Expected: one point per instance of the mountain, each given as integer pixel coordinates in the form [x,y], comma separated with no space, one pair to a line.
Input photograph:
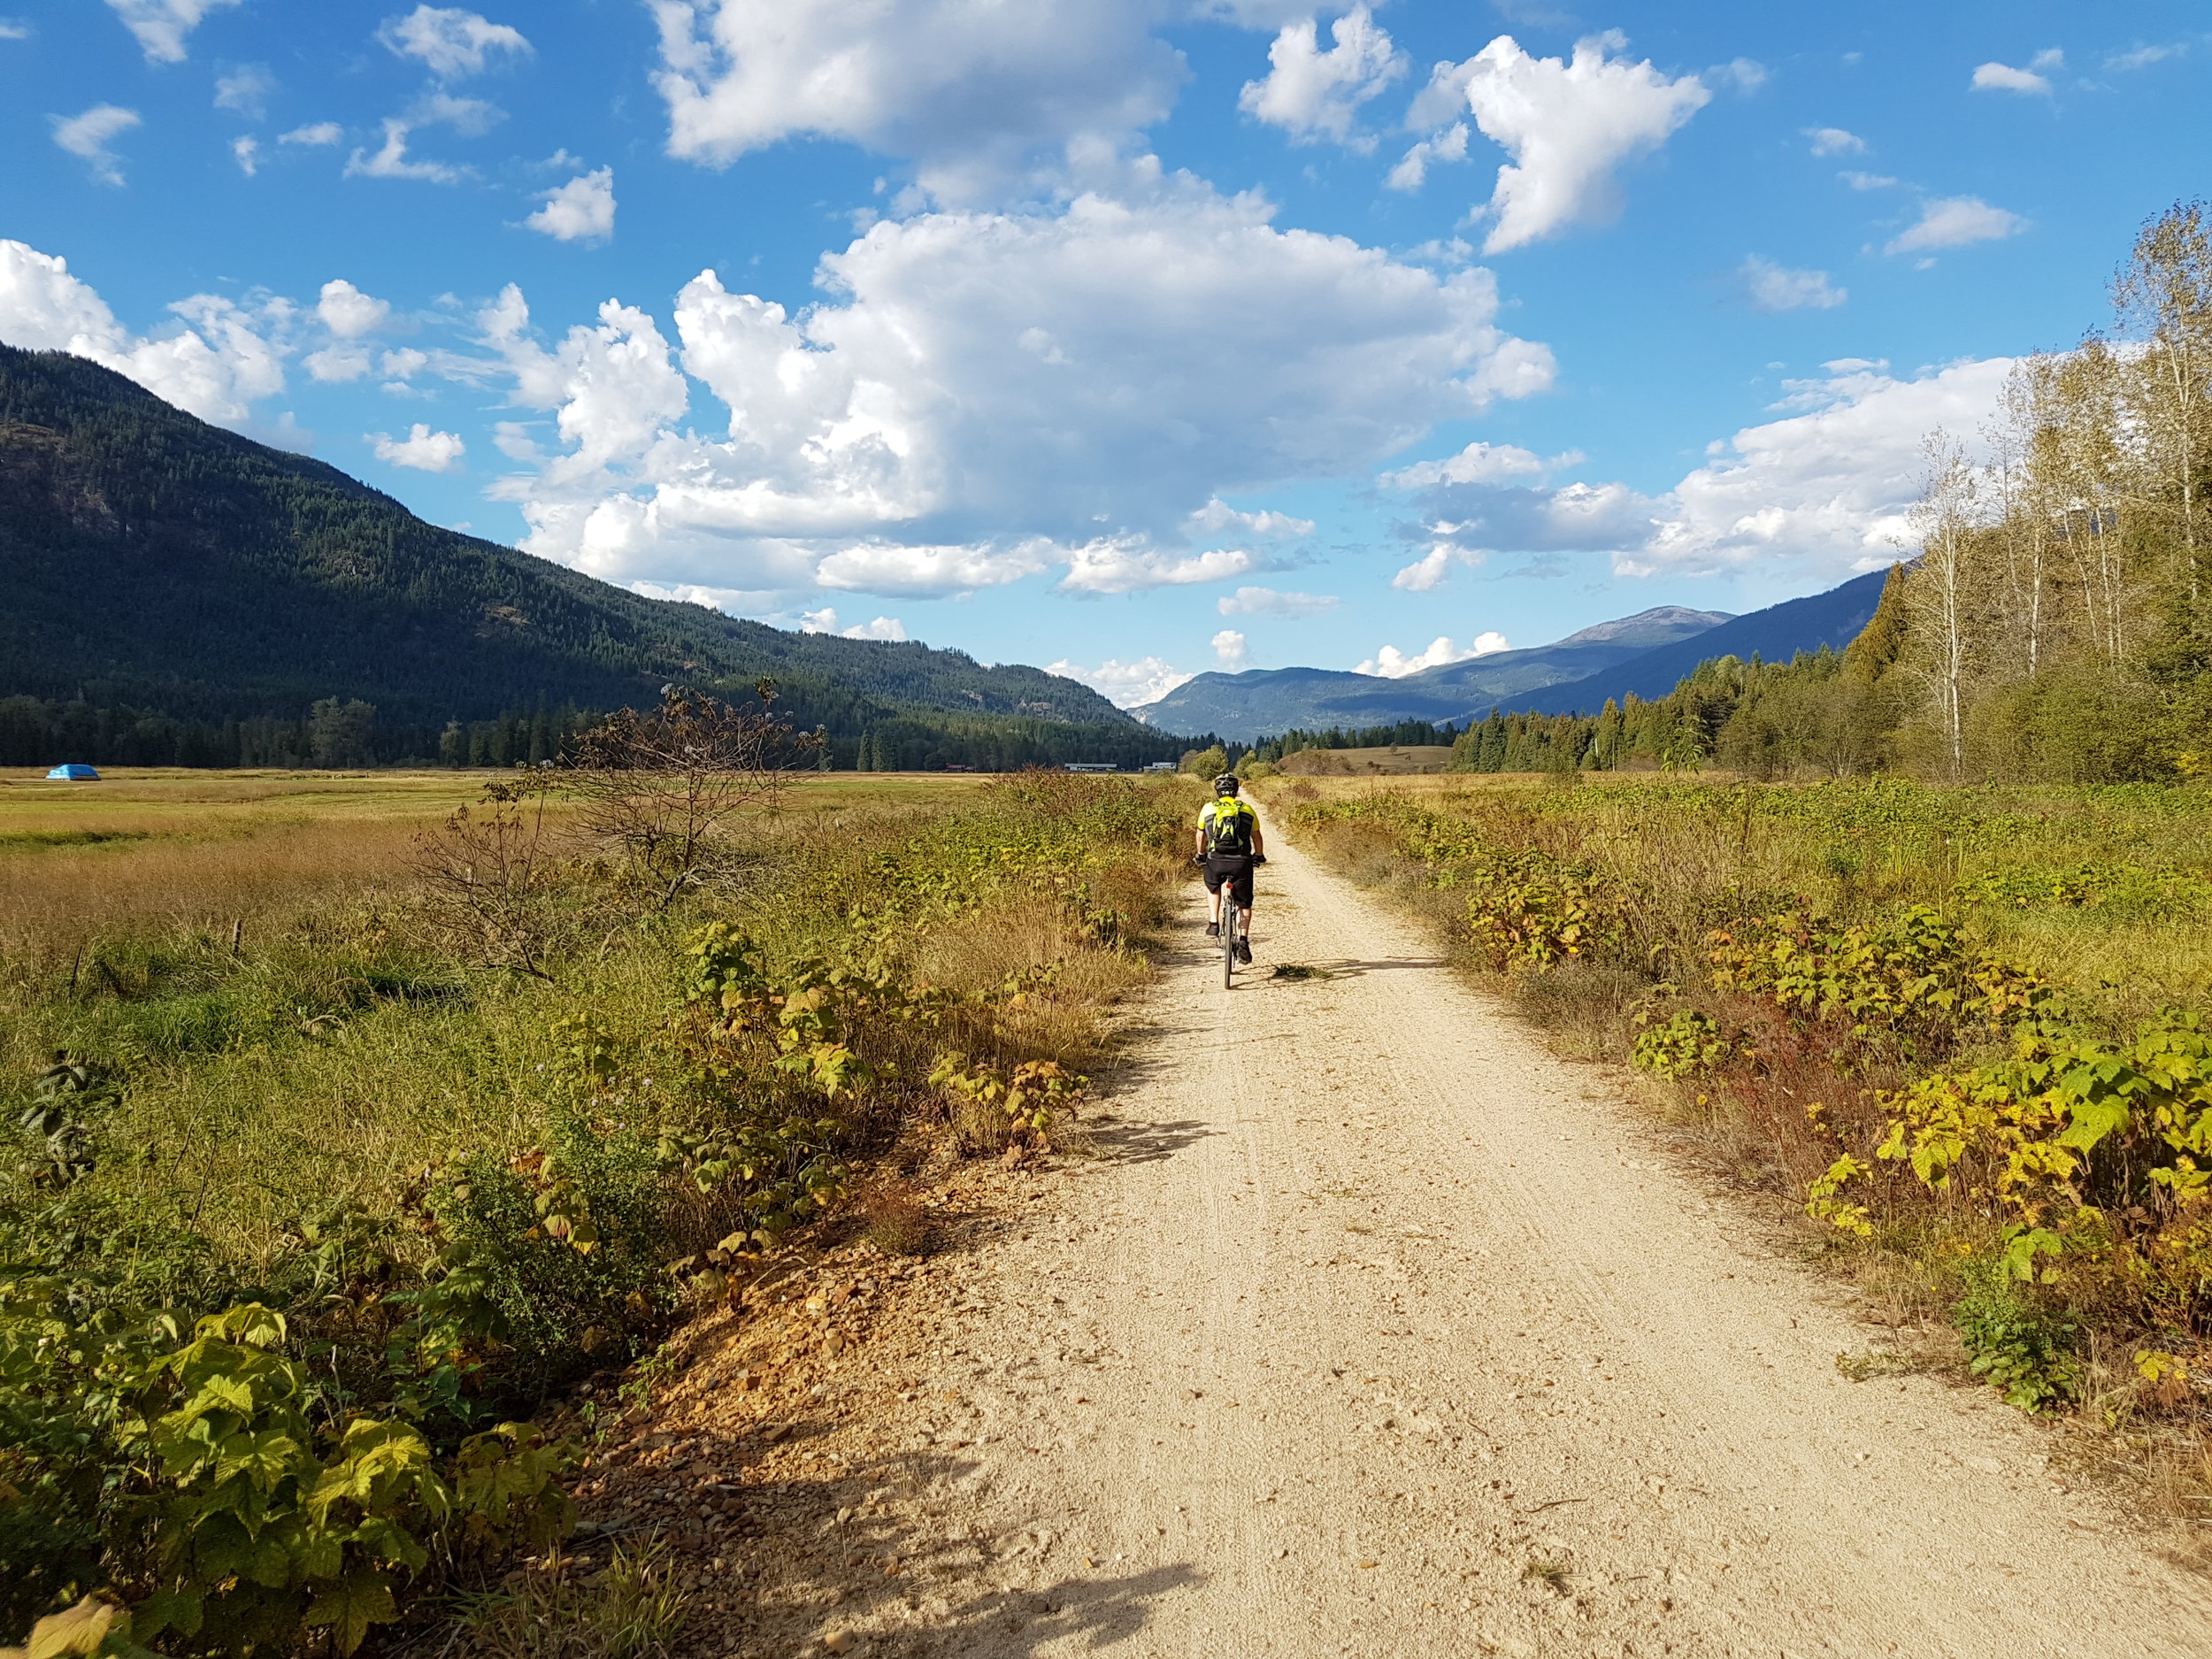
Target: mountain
[1264,702]
[1775,634]
[159,568]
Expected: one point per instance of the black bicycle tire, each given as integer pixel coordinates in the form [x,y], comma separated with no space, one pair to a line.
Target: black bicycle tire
[1228,940]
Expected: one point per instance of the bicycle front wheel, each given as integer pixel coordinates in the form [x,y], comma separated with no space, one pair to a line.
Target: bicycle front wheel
[1228,942]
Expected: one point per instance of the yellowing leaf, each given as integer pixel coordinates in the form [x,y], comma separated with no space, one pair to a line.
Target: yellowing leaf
[360,1599]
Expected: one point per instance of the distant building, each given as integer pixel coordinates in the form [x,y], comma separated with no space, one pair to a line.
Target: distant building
[73,771]
[1159,765]
[1090,765]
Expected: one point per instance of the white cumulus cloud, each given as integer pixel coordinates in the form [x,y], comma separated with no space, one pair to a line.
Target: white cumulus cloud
[245,152]
[1217,517]
[1569,125]
[979,95]
[451,42]
[1867,181]
[1834,141]
[161,25]
[216,359]
[582,210]
[1232,650]
[1820,492]
[425,450]
[1478,463]
[1390,663]
[88,135]
[1124,684]
[1774,288]
[1825,489]
[1412,170]
[886,567]
[1128,564]
[1312,94]
[1994,77]
[1268,602]
[825,621]
[334,365]
[315,133]
[982,396]
[347,313]
[1956,221]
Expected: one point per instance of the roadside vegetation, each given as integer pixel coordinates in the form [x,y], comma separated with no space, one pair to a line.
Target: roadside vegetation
[1963,1028]
[355,1122]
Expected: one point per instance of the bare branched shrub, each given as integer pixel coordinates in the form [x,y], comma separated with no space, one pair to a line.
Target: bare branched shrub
[658,791]
[491,879]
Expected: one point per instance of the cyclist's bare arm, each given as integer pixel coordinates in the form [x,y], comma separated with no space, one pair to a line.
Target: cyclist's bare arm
[1259,841]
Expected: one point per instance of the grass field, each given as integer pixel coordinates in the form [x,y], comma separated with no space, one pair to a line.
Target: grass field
[294,1075]
[1963,1028]
[1396,761]
[152,847]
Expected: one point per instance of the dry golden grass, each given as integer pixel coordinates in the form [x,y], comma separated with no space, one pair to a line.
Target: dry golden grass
[1396,761]
[200,851]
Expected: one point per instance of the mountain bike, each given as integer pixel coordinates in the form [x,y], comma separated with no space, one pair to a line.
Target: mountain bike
[1232,930]
[1229,918]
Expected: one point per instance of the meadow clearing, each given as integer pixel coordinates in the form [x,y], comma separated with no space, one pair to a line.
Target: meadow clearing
[1963,1028]
[425,1117]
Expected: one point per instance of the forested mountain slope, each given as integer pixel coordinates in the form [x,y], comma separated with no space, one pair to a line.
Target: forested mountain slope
[153,563]
[1775,634]
[1266,702]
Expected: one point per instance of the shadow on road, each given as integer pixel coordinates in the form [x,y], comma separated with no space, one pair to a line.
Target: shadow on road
[1148,1142]
[1347,968]
[1094,1612]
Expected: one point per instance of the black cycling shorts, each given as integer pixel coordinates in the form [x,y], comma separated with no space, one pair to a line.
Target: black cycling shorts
[1236,869]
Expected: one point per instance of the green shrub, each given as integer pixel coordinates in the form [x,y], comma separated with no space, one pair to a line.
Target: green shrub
[549,1304]
[1684,1044]
[2025,1353]
[208,1480]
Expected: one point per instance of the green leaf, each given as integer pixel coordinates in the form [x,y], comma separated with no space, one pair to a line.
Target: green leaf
[362,1598]
[2092,1118]
[386,1538]
[180,1611]
[220,1544]
[264,1457]
[266,1561]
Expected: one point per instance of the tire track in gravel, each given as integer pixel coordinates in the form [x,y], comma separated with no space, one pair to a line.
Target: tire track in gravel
[1379,1330]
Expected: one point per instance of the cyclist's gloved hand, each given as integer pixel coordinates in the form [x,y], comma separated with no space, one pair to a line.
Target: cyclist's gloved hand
[1259,858]
[1198,859]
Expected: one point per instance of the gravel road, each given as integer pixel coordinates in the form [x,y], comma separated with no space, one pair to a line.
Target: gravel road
[1381,1330]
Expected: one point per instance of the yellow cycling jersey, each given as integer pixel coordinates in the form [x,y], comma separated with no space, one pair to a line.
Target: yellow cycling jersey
[1228,824]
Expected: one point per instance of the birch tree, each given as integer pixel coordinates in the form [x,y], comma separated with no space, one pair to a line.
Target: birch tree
[1943,590]
[2162,299]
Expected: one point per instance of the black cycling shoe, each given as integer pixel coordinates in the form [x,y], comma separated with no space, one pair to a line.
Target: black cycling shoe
[1244,951]
[1213,930]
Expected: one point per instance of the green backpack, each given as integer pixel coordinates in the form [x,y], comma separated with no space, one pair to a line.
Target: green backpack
[1230,829]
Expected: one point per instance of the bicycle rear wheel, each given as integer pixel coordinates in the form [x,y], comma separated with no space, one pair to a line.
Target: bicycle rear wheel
[1228,939]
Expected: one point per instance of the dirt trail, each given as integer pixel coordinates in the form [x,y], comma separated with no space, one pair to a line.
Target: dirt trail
[1383,1331]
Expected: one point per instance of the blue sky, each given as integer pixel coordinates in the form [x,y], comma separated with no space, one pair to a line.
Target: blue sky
[1139,336]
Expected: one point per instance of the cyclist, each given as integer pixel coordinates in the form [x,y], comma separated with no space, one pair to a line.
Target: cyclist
[1229,845]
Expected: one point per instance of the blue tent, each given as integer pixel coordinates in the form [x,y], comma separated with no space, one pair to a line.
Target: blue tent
[73,771]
